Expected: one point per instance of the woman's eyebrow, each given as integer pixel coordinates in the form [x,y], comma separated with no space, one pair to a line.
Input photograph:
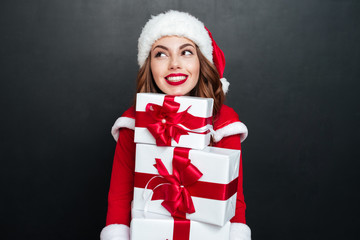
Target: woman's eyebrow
[181,47]
[186,45]
[160,46]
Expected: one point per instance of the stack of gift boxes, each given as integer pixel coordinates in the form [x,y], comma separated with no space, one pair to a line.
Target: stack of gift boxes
[183,189]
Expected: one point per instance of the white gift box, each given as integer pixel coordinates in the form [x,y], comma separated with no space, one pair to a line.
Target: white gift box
[219,166]
[151,226]
[200,108]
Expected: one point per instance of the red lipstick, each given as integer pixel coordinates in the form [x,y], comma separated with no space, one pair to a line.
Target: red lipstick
[176,78]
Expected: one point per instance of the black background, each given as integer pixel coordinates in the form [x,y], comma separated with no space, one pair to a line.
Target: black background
[68,70]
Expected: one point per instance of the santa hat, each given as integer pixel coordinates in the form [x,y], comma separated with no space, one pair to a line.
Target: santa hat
[183,25]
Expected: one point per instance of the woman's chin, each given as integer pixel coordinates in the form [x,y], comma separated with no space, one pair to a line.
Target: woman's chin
[177,93]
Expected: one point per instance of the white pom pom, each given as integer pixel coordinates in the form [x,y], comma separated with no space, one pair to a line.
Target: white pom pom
[225,85]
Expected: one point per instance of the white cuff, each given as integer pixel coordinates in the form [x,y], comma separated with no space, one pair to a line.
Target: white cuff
[115,232]
[122,122]
[231,129]
[240,231]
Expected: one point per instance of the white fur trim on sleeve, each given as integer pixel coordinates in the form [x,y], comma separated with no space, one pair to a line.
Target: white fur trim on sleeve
[122,122]
[115,232]
[231,129]
[240,231]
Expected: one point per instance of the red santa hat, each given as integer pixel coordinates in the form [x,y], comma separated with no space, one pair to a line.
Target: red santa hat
[184,25]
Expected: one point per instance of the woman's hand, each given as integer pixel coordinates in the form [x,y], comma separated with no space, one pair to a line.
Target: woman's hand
[240,231]
[115,232]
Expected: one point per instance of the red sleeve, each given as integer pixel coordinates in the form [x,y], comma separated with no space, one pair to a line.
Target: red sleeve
[226,116]
[122,180]
[130,112]
[233,142]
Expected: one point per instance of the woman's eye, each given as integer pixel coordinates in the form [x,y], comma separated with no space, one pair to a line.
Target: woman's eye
[187,52]
[160,54]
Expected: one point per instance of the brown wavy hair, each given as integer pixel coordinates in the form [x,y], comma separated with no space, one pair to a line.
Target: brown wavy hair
[208,86]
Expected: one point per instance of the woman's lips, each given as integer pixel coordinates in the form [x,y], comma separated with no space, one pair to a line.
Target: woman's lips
[176,78]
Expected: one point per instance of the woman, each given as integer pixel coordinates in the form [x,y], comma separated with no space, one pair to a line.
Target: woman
[177,56]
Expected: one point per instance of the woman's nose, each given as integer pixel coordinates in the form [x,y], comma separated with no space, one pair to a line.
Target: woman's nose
[174,63]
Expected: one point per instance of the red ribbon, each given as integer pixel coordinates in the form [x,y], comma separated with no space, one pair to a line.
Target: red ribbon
[184,174]
[181,229]
[177,199]
[209,190]
[163,121]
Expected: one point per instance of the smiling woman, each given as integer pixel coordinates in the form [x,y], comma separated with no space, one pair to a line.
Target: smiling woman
[177,56]
[175,65]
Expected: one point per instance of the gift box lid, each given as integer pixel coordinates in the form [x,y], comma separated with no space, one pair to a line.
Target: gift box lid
[197,103]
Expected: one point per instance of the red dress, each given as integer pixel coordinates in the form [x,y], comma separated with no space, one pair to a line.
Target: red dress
[229,132]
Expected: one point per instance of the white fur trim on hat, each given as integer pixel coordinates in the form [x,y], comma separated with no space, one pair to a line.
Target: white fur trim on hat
[225,85]
[115,232]
[122,122]
[240,231]
[231,129]
[174,23]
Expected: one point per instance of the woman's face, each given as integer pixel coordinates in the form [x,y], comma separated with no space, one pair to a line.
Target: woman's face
[175,65]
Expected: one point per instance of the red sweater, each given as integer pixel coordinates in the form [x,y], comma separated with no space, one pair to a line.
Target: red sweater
[122,177]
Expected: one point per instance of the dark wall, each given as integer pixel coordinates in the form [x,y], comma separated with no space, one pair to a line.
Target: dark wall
[68,70]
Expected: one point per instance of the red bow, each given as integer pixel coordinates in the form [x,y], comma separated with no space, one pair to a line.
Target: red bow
[177,199]
[166,121]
